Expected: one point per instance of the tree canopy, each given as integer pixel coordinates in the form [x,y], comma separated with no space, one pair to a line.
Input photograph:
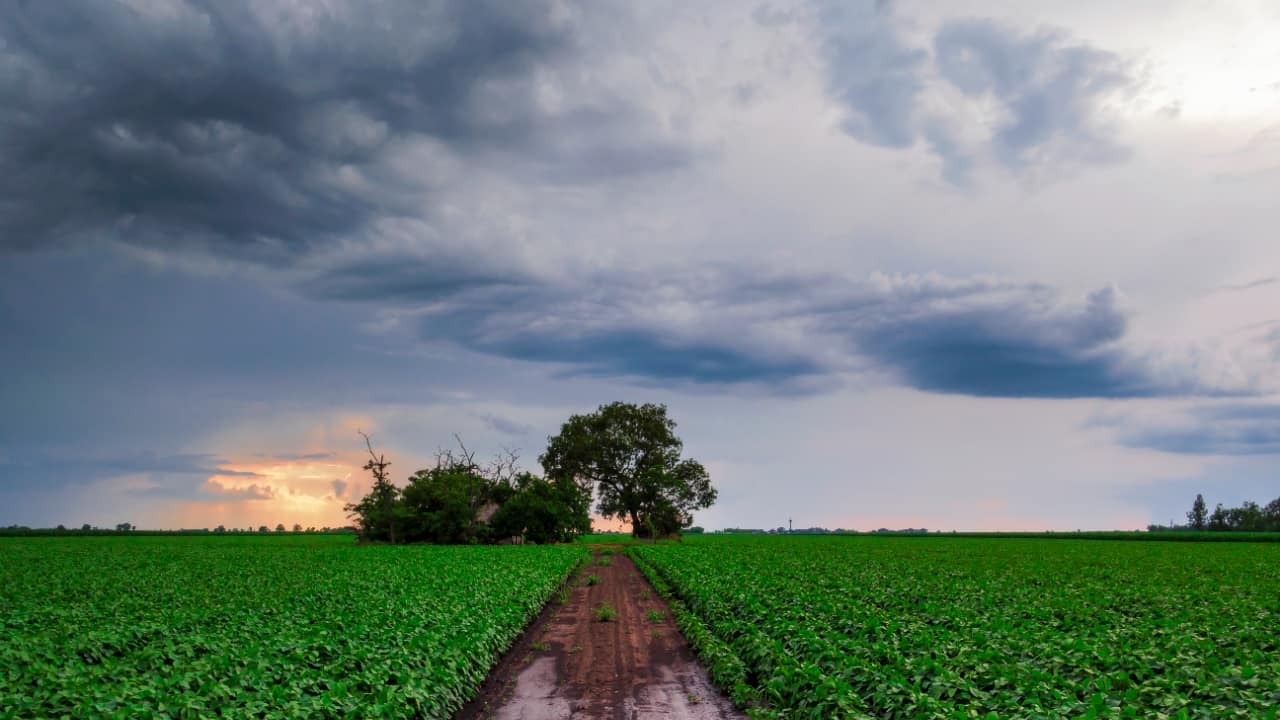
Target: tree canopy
[459,501]
[630,455]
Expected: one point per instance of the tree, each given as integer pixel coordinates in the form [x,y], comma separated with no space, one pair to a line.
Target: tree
[440,505]
[543,511]
[1248,517]
[263,529]
[1199,515]
[124,527]
[85,527]
[1272,513]
[297,528]
[1219,519]
[630,455]
[377,515]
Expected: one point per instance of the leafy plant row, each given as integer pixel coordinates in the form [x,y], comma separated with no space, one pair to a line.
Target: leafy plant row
[723,665]
[814,627]
[210,627]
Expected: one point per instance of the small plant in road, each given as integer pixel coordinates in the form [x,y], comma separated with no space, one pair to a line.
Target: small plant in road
[592,580]
[656,616]
[605,612]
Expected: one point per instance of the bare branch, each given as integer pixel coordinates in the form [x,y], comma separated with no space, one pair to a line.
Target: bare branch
[377,464]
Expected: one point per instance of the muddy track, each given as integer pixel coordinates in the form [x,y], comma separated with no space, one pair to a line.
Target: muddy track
[571,664]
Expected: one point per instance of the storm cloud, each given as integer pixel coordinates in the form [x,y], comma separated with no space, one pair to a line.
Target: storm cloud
[261,130]
[1002,340]
[787,333]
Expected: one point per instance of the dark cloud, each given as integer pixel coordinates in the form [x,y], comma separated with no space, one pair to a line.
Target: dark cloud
[999,340]
[650,354]
[339,488]
[604,327]
[506,426]
[871,72]
[1050,94]
[728,327]
[39,467]
[1050,90]
[1230,429]
[208,491]
[405,278]
[263,129]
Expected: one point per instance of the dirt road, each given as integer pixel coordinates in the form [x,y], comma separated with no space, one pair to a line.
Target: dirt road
[573,664]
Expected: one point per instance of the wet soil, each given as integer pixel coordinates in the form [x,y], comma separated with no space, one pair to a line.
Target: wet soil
[571,664]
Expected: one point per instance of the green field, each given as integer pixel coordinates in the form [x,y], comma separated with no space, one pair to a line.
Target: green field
[259,627]
[938,627]
[797,627]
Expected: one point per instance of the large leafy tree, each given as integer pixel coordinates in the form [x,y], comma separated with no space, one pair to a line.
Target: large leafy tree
[631,456]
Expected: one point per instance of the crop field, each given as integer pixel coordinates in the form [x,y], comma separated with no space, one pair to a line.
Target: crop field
[249,627]
[864,627]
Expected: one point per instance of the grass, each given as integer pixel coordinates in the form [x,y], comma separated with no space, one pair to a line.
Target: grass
[656,616]
[605,612]
[604,561]
[540,646]
[592,580]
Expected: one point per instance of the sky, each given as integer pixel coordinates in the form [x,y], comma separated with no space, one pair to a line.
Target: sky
[998,265]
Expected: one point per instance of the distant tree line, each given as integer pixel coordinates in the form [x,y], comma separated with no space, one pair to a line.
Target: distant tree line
[1249,517]
[131,529]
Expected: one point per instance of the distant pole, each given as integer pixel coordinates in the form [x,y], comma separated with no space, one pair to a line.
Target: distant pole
[789,528]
